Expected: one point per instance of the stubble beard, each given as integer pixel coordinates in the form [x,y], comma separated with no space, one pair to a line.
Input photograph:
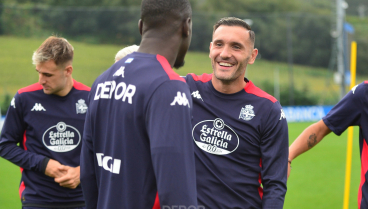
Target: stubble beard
[231,78]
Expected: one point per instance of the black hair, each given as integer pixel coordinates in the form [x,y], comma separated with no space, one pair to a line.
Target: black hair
[157,13]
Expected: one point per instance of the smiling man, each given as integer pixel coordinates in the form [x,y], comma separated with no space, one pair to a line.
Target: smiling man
[240,131]
[47,120]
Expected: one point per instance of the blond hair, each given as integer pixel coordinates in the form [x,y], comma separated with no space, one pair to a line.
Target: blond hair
[125,51]
[54,48]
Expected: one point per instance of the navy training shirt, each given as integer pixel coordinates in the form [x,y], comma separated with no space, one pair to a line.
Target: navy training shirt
[241,144]
[45,126]
[137,141]
[352,111]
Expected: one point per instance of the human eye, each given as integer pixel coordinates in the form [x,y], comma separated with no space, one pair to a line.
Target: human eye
[236,47]
[218,44]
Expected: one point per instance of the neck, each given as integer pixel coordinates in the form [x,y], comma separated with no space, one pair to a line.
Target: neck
[167,47]
[228,87]
[67,89]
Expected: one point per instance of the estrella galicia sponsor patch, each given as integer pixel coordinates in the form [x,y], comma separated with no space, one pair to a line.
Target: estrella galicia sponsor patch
[61,138]
[215,137]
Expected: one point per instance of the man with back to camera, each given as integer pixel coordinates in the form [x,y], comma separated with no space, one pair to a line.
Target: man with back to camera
[350,111]
[137,145]
[47,120]
[240,132]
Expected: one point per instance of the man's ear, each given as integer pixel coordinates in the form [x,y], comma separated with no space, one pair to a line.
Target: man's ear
[69,70]
[140,26]
[187,27]
[253,56]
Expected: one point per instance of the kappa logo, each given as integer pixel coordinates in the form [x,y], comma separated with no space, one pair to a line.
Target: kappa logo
[283,116]
[180,99]
[354,88]
[38,107]
[120,72]
[196,95]
[247,113]
[103,161]
[81,106]
[12,103]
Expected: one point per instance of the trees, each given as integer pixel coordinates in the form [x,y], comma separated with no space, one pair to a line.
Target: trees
[115,21]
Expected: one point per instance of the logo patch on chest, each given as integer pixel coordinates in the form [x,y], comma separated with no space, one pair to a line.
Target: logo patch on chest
[215,137]
[81,106]
[61,138]
[247,113]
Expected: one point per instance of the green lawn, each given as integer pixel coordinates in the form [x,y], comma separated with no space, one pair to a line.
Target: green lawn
[318,176]
[9,184]
[316,180]
[17,71]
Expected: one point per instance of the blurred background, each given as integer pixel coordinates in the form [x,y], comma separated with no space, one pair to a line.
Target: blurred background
[304,60]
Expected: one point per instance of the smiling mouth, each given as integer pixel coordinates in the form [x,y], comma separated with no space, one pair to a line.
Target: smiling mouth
[225,64]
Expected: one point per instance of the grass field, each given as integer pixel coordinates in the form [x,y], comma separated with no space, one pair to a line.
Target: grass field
[17,71]
[316,180]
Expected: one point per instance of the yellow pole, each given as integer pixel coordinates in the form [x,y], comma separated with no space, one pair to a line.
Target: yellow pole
[350,129]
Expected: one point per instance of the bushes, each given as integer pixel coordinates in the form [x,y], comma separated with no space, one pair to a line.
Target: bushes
[301,97]
[120,26]
[310,33]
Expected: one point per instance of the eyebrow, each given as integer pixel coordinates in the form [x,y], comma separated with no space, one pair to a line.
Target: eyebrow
[43,72]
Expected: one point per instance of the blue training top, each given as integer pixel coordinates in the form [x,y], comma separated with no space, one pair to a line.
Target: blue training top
[46,127]
[241,146]
[352,111]
[137,139]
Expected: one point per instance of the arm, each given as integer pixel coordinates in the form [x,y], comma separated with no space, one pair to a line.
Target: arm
[307,139]
[344,114]
[13,133]
[274,151]
[169,129]
[87,169]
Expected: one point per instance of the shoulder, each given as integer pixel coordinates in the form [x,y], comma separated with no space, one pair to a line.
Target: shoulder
[204,78]
[80,86]
[360,88]
[30,88]
[250,88]
[168,70]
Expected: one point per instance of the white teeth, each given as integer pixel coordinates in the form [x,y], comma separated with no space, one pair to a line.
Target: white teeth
[225,64]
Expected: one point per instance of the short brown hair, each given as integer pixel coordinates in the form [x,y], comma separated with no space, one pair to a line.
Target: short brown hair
[233,21]
[54,48]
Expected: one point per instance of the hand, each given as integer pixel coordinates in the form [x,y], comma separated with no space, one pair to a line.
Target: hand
[71,179]
[289,169]
[52,169]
